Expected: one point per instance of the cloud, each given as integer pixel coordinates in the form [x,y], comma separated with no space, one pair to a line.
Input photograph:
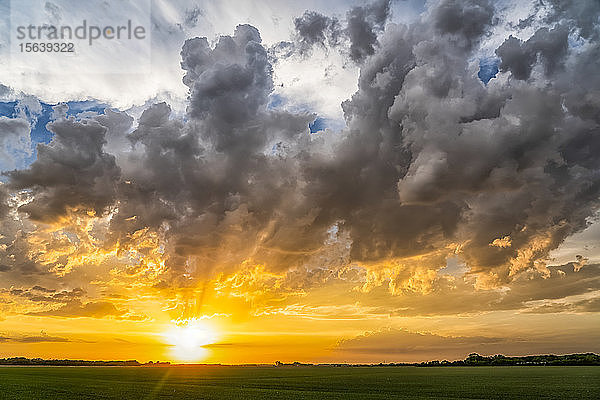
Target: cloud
[448,295]
[316,29]
[358,32]
[403,345]
[77,309]
[363,25]
[501,242]
[71,172]
[465,21]
[580,14]
[15,143]
[519,57]
[401,341]
[34,339]
[230,82]
[4,195]
[355,293]
[39,301]
[44,295]
[583,306]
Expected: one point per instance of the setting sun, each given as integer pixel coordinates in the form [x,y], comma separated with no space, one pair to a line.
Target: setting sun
[188,339]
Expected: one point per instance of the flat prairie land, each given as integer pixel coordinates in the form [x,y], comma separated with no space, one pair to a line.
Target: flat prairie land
[233,382]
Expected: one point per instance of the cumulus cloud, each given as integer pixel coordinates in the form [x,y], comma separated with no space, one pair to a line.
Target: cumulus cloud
[432,164]
[4,195]
[72,171]
[358,31]
[581,15]
[363,25]
[15,143]
[316,29]
[519,57]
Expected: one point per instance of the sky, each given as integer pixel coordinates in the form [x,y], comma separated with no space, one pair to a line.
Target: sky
[339,181]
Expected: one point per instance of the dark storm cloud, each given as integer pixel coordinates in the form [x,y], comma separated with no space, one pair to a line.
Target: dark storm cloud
[216,180]
[316,29]
[519,57]
[71,171]
[14,141]
[467,19]
[359,31]
[432,162]
[16,258]
[12,127]
[4,196]
[363,25]
[581,15]
[230,82]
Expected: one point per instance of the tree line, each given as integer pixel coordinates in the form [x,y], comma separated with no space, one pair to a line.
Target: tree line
[475,359]
[472,359]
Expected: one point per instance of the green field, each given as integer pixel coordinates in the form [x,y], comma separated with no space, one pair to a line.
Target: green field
[216,382]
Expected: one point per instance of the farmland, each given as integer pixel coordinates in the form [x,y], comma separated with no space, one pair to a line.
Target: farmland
[237,382]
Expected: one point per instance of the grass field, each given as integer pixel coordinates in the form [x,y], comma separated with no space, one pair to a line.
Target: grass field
[201,382]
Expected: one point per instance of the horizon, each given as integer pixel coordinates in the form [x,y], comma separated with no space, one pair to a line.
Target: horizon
[279,363]
[340,182]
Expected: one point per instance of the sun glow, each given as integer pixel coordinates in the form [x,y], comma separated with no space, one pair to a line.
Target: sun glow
[189,339]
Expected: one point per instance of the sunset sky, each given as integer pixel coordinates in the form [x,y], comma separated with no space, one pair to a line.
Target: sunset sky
[315,181]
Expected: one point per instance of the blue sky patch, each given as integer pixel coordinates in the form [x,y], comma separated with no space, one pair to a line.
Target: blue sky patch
[275,100]
[488,68]
[317,125]
[39,132]
[320,124]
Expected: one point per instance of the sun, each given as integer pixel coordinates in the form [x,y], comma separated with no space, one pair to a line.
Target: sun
[188,339]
